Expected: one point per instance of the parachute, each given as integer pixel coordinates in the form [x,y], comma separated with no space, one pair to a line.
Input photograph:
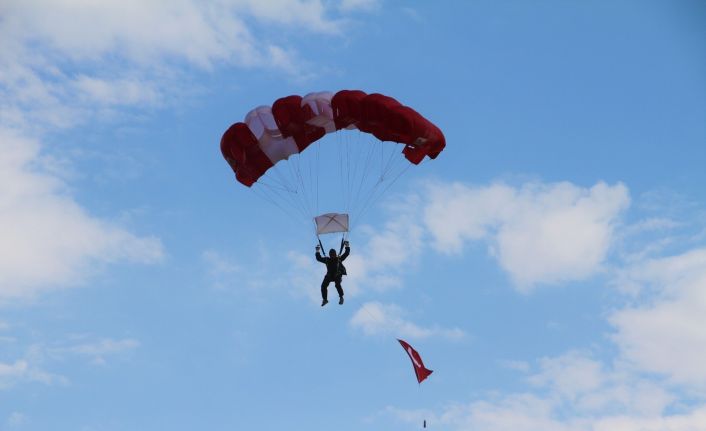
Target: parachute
[285,132]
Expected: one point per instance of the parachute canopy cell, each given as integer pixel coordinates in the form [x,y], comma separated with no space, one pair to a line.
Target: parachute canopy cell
[271,134]
[331,223]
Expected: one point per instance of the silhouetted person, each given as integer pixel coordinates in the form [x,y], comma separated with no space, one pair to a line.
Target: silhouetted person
[334,271]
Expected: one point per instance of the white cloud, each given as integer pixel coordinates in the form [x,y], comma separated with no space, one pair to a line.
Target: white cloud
[540,233]
[515,365]
[310,14]
[590,386]
[364,5]
[23,371]
[49,241]
[574,392]
[690,421]
[252,272]
[198,32]
[413,14]
[305,275]
[32,366]
[374,318]
[527,412]
[666,332]
[16,419]
[63,61]
[570,374]
[112,92]
[97,350]
[12,371]
[222,270]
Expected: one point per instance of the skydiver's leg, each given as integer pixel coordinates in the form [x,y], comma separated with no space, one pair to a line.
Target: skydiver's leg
[324,289]
[339,289]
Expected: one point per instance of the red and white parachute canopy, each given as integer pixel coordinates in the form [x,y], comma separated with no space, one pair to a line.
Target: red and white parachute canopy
[271,134]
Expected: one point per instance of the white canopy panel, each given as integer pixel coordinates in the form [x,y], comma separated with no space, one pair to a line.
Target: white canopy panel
[331,223]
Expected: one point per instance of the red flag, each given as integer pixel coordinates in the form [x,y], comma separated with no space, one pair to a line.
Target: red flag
[419,369]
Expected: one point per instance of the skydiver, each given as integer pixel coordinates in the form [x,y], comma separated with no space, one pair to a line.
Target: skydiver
[334,271]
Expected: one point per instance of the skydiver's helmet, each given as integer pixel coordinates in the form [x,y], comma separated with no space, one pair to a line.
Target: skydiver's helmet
[332,253]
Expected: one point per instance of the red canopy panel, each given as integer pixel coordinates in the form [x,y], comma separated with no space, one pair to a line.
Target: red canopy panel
[240,149]
[377,114]
[291,117]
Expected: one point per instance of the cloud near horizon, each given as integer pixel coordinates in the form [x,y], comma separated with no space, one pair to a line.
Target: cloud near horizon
[571,392]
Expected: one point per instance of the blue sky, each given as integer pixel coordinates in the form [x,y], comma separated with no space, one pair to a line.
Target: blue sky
[549,265]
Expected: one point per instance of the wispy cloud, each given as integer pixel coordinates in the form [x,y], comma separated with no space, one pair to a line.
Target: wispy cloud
[515,365]
[359,5]
[664,329]
[97,351]
[32,366]
[374,318]
[22,370]
[16,420]
[221,269]
[49,241]
[252,272]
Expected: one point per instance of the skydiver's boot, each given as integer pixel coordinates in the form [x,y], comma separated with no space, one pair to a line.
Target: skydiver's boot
[324,302]
[340,300]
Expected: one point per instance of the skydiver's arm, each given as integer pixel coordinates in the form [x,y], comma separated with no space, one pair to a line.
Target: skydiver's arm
[345,253]
[319,258]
